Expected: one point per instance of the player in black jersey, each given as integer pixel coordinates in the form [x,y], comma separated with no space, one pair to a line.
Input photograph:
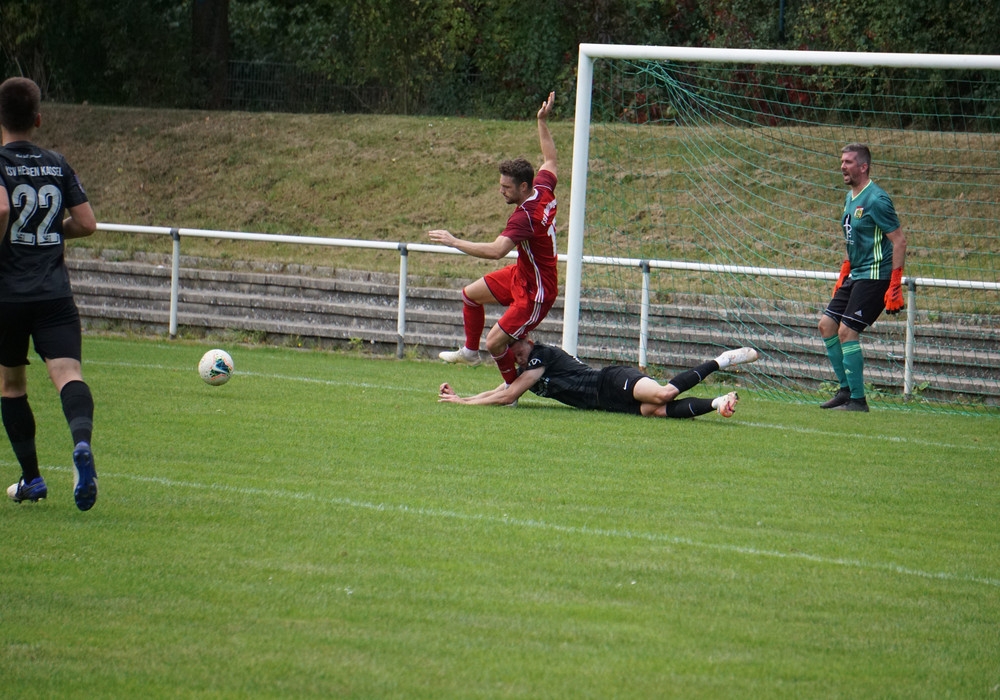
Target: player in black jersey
[37,189]
[554,373]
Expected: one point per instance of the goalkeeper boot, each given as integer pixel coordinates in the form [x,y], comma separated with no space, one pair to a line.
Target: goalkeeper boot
[726,405]
[842,396]
[84,477]
[462,356]
[34,491]
[739,356]
[859,405]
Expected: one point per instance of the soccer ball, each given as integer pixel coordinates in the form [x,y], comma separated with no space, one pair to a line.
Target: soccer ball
[216,367]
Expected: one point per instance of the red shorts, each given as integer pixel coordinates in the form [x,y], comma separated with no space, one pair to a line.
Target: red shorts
[524,308]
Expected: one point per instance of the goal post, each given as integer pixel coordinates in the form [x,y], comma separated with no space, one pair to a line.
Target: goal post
[724,164]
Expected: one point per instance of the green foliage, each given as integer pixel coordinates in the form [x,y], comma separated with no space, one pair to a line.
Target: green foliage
[472,57]
[514,58]
[123,51]
[147,51]
[22,29]
[920,26]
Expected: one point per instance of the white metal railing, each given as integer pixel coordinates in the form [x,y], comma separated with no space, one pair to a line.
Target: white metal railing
[644,265]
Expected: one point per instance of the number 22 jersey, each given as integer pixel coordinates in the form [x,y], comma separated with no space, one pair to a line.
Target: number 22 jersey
[40,186]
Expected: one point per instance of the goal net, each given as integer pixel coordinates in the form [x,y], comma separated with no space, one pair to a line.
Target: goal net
[705,204]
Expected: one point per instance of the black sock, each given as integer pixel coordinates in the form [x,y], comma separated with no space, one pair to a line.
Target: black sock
[78,407]
[689,378]
[688,408]
[19,422]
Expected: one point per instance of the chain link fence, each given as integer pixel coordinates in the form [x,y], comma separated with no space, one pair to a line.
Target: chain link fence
[285,87]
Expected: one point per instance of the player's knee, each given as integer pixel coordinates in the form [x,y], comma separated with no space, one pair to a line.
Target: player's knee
[496,345]
[667,394]
[652,410]
[846,333]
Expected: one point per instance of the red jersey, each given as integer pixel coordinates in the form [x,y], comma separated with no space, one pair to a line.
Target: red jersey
[532,226]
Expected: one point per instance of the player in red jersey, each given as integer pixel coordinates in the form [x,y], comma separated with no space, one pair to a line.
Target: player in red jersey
[529,287]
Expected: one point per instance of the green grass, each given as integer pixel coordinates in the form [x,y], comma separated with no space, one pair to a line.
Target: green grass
[322,527]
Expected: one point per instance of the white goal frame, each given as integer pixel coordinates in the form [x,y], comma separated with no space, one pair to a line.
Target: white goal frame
[581,136]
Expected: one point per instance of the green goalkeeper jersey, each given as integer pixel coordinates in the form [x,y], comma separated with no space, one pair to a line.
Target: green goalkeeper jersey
[868,216]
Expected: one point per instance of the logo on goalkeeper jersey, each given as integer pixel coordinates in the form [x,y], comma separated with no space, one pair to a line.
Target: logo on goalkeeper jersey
[859,212]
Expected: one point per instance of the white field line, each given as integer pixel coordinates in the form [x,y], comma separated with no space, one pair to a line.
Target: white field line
[581,530]
[268,375]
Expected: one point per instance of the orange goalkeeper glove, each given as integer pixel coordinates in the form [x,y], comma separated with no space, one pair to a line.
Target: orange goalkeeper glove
[845,270]
[894,294]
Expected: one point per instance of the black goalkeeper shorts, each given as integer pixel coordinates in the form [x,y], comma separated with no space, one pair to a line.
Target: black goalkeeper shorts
[858,303]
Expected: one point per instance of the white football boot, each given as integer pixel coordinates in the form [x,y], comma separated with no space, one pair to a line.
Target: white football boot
[462,356]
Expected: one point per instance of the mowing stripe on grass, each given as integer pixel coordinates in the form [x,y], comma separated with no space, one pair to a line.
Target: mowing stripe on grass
[902,439]
[263,375]
[556,527]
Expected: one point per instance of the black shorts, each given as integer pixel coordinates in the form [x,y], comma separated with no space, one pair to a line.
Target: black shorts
[615,389]
[858,303]
[53,325]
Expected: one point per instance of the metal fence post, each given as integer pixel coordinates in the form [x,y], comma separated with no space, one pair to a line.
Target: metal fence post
[175,274]
[911,316]
[401,312]
[644,315]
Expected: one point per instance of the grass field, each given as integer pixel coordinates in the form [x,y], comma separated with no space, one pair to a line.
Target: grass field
[322,527]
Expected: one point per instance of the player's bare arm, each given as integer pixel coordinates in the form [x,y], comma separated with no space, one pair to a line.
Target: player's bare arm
[80,223]
[447,395]
[545,137]
[501,396]
[4,209]
[898,248]
[489,251]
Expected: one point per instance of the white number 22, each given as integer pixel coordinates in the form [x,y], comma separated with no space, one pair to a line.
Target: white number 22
[27,200]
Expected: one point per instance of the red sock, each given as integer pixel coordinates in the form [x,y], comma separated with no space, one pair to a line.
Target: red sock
[474,319]
[505,363]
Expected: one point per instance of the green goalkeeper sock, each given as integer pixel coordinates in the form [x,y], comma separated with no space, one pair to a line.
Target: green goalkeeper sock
[854,367]
[836,354]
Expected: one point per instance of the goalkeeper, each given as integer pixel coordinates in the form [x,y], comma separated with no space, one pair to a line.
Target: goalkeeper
[554,373]
[870,278]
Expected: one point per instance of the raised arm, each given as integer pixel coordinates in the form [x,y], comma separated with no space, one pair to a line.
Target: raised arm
[545,138]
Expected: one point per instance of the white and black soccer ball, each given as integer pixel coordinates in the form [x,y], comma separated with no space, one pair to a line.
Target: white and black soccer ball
[216,367]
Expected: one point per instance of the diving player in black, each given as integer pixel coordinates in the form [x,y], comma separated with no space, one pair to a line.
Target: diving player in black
[551,372]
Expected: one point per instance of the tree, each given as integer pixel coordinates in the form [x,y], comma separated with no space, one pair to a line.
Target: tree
[210,50]
[22,29]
